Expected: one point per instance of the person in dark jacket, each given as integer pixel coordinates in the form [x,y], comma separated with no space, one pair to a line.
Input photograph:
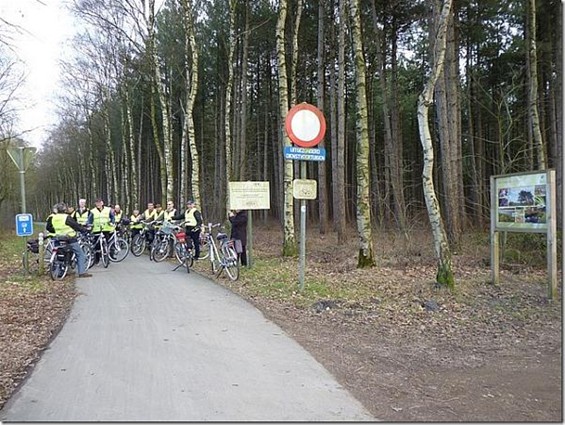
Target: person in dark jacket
[238,219]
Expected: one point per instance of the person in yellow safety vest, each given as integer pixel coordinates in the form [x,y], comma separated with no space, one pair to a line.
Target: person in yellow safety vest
[159,216]
[62,225]
[102,218]
[134,225]
[193,223]
[82,213]
[102,221]
[48,234]
[149,215]
[118,213]
[169,213]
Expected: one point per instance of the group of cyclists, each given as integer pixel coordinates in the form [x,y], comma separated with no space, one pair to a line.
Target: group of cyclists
[66,222]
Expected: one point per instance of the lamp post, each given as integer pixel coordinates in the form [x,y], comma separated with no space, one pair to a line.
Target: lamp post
[22,156]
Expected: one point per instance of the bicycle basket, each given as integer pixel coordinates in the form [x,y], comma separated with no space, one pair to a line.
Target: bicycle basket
[167,228]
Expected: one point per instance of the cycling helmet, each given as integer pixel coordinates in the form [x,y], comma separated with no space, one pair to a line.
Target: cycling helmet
[61,207]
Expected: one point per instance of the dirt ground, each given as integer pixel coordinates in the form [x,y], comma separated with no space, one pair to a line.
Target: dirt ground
[409,351]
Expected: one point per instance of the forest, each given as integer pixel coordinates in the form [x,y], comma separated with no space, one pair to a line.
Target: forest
[424,102]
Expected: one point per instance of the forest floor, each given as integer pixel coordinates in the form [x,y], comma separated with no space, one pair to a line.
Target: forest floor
[407,349]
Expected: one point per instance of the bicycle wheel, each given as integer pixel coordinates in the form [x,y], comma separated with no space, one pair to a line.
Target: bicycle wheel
[204,249]
[137,245]
[179,248]
[118,250]
[231,263]
[215,261]
[89,255]
[161,250]
[104,255]
[58,269]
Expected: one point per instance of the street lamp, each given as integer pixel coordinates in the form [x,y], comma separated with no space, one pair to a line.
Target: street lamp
[22,156]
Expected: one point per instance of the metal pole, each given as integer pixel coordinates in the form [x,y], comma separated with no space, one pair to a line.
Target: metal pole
[562,138]
[302,230]
[21,167]
[249,246]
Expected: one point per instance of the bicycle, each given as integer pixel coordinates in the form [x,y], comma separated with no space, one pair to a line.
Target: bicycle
[141,241]
[30,261]
[118,247]
[62,258]
[224,257]
[183,249]
[99,244]
[162,243]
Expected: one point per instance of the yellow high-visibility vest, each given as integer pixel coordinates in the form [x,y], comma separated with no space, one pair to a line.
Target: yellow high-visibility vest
[62,229]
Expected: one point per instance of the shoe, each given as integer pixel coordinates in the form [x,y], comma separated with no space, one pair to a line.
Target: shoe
[85,275]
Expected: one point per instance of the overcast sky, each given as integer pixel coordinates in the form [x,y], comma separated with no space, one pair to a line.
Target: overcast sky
[45,28]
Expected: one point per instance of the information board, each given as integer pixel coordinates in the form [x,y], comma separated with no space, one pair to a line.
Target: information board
[521,202]
[249,195]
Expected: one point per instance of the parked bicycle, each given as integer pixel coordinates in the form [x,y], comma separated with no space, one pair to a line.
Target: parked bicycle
[183,249]
[30,258]
[162,244]
[223,257]
[142,240]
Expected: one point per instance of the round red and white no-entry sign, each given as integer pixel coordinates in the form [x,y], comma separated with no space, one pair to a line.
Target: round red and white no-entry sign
[305,125]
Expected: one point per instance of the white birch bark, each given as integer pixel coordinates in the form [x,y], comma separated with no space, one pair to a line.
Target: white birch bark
[290,247]
[441,245]
[191,76]
[366,252]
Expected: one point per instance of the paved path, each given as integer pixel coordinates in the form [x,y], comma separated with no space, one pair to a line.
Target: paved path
[144,343]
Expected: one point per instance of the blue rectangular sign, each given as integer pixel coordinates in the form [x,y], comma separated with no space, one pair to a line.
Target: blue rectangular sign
[24,224]
[304,154]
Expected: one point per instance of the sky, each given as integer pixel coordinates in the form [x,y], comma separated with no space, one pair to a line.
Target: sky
[45,30]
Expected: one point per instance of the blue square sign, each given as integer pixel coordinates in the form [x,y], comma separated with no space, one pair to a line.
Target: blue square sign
[24,224]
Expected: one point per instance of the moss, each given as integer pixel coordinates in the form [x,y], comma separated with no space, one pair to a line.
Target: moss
[365,260]
[445,275]
[290,249]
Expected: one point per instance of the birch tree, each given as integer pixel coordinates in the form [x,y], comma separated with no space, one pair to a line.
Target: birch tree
[290,247]
[188,138]
[533,110]
[366,252]
[441,245]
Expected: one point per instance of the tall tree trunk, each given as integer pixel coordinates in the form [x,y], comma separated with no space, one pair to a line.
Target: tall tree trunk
[125,198]
[448,109]
[191,81]
[228,105]
[533,109]
[425,101]
[339,192]
[366,252]
[242,163]
[158,96]
[322,186]
[290,247]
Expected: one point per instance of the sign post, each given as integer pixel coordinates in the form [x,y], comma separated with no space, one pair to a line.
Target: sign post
[306,126]
[22,156]
[249,195]
[524,202]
